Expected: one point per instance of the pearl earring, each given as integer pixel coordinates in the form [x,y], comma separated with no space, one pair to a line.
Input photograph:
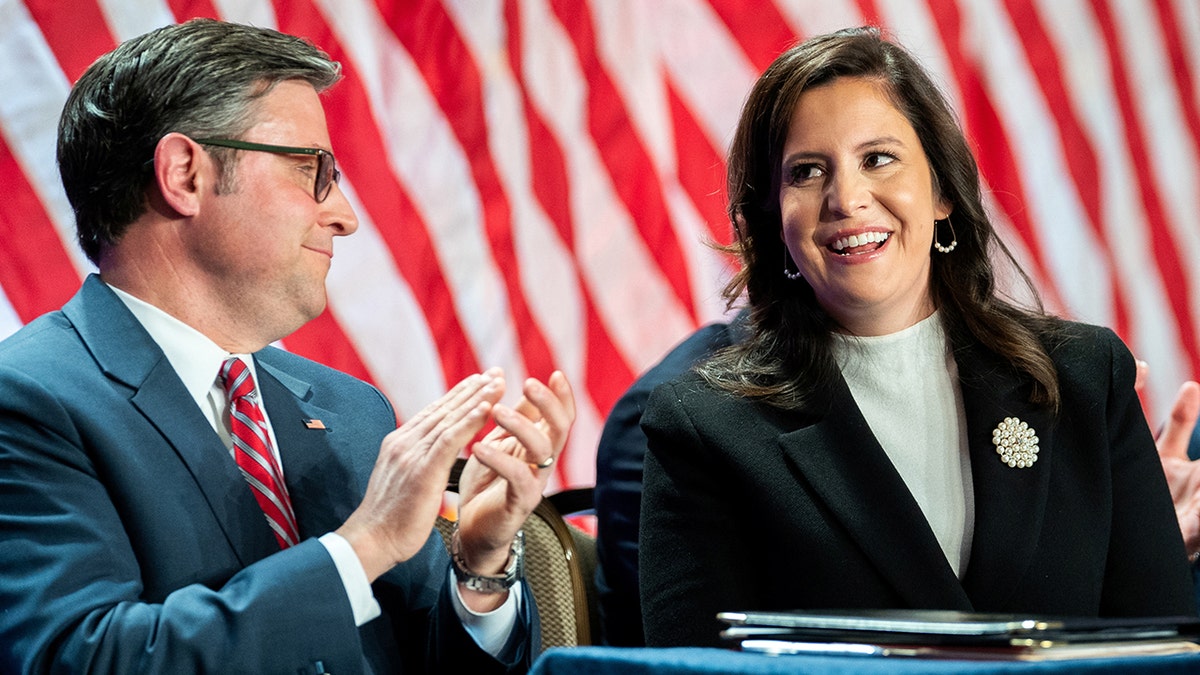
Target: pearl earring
[953,237]
[792,276]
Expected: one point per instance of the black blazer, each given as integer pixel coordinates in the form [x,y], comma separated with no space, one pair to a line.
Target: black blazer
[749,507]
[618,492]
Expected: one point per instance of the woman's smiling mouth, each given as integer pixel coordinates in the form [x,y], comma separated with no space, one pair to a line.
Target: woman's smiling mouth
[859,243]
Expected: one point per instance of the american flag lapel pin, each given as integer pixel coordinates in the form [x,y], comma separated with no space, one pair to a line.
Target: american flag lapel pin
[313,424]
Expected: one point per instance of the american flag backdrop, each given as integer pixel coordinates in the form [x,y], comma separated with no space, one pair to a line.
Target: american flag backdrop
[536,179]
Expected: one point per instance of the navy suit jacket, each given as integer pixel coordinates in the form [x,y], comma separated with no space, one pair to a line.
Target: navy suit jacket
[129,542]
[749,507]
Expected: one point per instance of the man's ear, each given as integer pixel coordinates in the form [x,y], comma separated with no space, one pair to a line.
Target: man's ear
[181,169]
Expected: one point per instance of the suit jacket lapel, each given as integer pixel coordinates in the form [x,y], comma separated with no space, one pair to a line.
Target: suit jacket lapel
[306,434]
[126,353]
[1009,502]
[849,470]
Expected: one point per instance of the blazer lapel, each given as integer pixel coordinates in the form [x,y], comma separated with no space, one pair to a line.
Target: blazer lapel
[849,470]
[164,401]
[322,488]
[126,353]
[1009,501]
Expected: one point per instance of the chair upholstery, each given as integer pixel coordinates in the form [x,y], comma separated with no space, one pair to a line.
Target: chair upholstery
[560,563]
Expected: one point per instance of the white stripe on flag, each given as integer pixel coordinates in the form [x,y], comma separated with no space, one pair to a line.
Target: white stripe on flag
[1170,147]
[383,320]
[425,155]
[130,18]
[634,300]
[9,321]
[1152,333]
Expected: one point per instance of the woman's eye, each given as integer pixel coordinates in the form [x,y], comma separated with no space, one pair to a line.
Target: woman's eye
[800,173]
[878,159]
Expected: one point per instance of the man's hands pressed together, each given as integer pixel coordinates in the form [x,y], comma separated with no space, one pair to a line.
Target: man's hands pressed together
[500,485]
[502,482]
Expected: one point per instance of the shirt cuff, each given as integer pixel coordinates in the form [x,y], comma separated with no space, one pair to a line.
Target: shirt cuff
[354,578]
[490,630]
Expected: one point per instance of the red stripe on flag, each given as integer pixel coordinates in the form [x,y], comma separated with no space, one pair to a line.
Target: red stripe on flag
[359,145]
[191,9]
[1185,80]
[1166,251]
[35,271]
[1185,85]
[701,170]
[447,64]
[607,375]
[77,32]
[323,340]
[1078,150]
[633,173]
[870,13]
[762,32]
[548,170]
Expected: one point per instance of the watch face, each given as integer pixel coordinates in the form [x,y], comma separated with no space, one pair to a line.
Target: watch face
[490,584]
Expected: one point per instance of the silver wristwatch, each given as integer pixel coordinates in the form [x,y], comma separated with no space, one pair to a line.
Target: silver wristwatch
[484,583]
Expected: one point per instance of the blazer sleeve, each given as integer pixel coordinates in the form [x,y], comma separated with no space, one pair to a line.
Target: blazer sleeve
[618,492]
[1146,572]
[71,584]
[693,552]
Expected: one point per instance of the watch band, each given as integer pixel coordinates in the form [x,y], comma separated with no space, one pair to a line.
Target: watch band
[483,583]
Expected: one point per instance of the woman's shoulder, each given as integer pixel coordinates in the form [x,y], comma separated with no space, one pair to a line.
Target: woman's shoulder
[1065,338]
[690,401]
[1079,329]
[1086,355]
[690,389]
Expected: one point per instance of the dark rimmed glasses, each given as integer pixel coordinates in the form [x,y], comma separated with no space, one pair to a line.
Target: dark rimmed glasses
[327,171]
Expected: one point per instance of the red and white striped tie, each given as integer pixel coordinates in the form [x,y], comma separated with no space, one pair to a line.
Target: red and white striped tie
[252,450]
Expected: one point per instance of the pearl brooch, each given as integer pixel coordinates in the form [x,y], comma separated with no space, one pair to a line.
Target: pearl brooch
[1016,443]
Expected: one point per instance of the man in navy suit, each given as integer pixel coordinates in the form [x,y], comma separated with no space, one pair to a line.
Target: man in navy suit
[198,163]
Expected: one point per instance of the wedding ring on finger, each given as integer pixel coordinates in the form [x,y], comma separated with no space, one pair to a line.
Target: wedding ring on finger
[544,464]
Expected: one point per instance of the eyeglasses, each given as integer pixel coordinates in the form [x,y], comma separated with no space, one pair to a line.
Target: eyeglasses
[327,171]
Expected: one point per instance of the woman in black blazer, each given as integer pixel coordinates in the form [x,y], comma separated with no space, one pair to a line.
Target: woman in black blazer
[894,433]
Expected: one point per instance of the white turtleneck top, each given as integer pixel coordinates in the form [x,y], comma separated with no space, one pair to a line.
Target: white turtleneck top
[906,385]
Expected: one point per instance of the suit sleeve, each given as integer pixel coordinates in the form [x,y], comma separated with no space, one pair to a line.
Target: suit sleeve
[618,494]
[695,555]
[618,499]
[71,585]
[1147,571]
[420,620]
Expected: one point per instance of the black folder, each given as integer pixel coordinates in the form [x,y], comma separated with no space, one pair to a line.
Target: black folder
[949,634]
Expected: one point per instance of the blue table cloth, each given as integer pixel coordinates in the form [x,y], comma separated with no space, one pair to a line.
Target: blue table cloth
[709,661]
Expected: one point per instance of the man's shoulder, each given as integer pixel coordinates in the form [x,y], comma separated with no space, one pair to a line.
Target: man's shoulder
[47,341]
[297,365]
[329,384]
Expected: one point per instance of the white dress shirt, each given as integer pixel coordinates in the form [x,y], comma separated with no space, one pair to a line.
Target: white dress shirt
[198,360]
